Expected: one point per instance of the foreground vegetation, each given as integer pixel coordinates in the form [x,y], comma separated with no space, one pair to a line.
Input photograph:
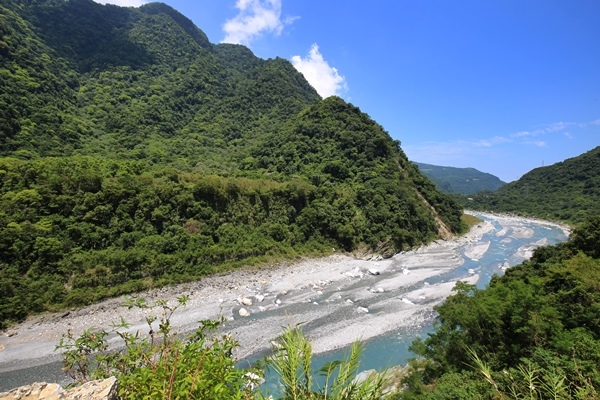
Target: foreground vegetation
[533,333]
[167,364]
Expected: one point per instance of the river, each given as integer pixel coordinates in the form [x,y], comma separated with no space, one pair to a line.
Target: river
[398,301]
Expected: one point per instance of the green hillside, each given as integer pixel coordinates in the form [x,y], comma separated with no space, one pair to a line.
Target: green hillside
[568,191]
[135,153]
[460,180]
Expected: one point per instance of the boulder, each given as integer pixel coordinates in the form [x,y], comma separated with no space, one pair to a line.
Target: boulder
[107,389]
[245,301]
[243,312]
[373,271]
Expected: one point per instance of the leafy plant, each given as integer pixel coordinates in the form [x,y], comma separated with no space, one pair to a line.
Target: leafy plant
[165,364]
[292,358]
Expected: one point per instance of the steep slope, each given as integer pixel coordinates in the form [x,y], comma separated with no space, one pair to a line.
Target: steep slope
[335,145]
[134,83]
[567,191]
[37,98]
[460,180]
[173,158]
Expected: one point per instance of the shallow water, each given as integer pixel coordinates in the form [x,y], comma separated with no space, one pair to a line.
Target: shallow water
[392,348]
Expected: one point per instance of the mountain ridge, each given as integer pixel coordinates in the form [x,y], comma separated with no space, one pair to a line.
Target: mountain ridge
[171,158]
[455,180]
[565,191]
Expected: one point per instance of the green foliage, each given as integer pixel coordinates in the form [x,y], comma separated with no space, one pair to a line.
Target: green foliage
[291,361]
[163,364]
[538,324]
[566,191]
[154,157]
[460,180]
[167,364]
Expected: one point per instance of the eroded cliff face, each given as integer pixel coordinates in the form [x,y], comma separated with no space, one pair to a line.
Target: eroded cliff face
[106,389]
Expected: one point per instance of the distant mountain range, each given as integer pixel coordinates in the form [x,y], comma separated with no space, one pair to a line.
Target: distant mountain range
[460,180]
[567,191]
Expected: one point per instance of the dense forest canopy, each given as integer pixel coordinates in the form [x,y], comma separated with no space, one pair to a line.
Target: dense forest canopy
[135,153]
[566,191]
[460,180]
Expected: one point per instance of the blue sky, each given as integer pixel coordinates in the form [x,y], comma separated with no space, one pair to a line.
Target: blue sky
[502,86]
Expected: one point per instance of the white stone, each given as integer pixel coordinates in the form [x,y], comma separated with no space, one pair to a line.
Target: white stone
[243,312]
[246,301]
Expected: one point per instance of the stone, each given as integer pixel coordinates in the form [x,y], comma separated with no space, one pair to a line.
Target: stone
[259,298]
[96,390]
[363,376]
[243,312]
[373,271]
[253,381]
[245,301]
[107,389]
[362,310]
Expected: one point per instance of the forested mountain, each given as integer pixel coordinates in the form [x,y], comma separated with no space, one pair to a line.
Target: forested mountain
[567,191]
[136,153]
[460,180]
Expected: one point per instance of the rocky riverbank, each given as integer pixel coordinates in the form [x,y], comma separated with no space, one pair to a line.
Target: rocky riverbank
[338,299]
[337,293]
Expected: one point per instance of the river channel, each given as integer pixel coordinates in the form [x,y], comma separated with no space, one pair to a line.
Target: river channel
[340,301]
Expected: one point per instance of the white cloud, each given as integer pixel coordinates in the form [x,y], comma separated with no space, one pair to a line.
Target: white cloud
[324,78]
[124,3]
[491,142]
[549,128]
[596,122]
[255,17]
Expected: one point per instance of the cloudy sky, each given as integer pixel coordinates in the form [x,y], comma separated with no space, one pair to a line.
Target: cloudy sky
[501,86]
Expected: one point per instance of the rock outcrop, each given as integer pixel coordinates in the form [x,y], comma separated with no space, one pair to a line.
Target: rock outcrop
[106,389]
